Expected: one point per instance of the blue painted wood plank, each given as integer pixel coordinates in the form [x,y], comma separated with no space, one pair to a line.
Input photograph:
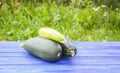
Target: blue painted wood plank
[92,57]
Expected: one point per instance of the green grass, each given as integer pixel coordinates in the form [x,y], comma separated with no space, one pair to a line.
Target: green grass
[80,24]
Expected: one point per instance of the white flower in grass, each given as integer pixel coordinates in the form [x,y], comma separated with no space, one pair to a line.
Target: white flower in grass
[116,9]
[56,17]
[103,6]
[105,14]
[96,9]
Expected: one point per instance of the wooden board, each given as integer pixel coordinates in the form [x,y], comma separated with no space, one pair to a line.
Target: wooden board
[92,57]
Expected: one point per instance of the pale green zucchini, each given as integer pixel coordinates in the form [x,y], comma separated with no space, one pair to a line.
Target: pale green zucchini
[44,48]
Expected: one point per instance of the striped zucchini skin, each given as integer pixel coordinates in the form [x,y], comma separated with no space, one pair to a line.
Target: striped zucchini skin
[68,48]
[44,48]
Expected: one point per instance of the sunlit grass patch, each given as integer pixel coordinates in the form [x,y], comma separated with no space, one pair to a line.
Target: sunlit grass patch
[92,23]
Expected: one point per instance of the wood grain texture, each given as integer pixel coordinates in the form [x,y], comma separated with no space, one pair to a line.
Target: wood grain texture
[92,57]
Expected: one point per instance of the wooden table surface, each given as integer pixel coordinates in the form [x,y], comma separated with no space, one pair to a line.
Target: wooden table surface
[92,57]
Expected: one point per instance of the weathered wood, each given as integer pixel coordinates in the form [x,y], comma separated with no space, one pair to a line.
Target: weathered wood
[92,57]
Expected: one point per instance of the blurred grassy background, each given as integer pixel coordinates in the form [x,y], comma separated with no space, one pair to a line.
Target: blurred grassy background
[81,20]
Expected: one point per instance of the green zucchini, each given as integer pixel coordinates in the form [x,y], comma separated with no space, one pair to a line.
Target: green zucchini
[44,48]
[68,48]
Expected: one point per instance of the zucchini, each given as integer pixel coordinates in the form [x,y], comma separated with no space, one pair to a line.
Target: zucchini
[52,34]
[68,48]
[44,48]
